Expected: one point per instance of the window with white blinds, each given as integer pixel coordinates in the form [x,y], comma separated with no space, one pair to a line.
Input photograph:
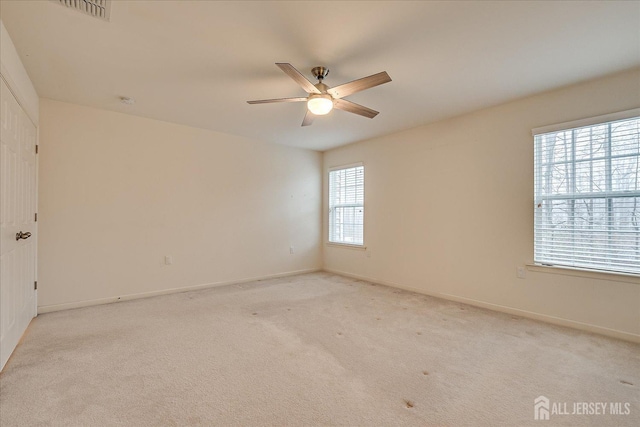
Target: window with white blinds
[587,196]
[346,205]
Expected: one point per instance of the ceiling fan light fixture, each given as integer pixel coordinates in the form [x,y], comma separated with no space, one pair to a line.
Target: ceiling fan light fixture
[322,98]
[320,104]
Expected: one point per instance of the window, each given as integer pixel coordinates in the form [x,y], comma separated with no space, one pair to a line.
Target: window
[346,205]
[587,194]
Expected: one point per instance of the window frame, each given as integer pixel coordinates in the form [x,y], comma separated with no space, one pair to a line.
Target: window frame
[330,207]
[608,195]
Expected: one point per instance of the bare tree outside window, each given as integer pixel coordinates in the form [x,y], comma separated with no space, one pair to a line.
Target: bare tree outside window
[587,197]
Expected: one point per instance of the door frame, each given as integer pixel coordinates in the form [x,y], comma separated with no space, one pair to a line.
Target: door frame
[15,92]
[14,88]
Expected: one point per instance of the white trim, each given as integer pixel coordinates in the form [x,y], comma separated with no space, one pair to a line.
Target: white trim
[36,223]
[620,115]
[627,336]
[614,276]
[128,297]
[346,245]
[328,176]
[349,166]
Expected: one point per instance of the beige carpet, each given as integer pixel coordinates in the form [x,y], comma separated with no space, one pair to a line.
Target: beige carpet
[315,349]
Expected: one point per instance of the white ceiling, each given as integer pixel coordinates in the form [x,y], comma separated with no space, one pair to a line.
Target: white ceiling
[197,62]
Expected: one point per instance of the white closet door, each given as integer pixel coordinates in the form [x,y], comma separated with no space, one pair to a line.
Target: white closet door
[17,222]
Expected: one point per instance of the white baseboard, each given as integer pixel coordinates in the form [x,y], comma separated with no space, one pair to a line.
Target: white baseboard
[614,333]
[627,336]
[78,304]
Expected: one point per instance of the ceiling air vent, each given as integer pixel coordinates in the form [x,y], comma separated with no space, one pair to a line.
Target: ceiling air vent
[96,8]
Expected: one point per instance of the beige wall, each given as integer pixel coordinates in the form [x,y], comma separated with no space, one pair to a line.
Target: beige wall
[449,209]
[16,76]
[449,212]
[118,192]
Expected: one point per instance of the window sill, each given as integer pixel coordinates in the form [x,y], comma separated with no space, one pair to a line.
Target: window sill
[347,246]
[583,272]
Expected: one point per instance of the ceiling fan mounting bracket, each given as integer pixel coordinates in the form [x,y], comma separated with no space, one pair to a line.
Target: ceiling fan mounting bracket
[320,72]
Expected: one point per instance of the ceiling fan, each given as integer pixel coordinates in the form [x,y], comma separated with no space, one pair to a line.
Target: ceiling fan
[323,98]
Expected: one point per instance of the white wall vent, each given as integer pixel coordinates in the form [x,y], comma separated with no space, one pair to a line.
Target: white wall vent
[97,8]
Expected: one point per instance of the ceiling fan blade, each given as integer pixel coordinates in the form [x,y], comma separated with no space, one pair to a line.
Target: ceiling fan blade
[308,118]
[352,107]
[359,85]
[298,77]
[267,101]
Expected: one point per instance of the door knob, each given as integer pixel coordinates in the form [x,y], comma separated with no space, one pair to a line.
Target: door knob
[21,235]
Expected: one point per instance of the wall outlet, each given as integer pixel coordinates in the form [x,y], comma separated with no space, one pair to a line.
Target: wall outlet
[291,250]
[168,260]
[521,272]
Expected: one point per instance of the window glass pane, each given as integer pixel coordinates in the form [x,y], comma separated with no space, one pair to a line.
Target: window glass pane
[587,191]
[590,176]
[346,205]
[624,174]
[624,137]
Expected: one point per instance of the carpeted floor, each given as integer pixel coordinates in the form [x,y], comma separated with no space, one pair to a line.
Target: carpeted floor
[314,349]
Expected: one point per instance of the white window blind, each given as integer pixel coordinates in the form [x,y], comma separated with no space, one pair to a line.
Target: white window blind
[587,197]
[346,205]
